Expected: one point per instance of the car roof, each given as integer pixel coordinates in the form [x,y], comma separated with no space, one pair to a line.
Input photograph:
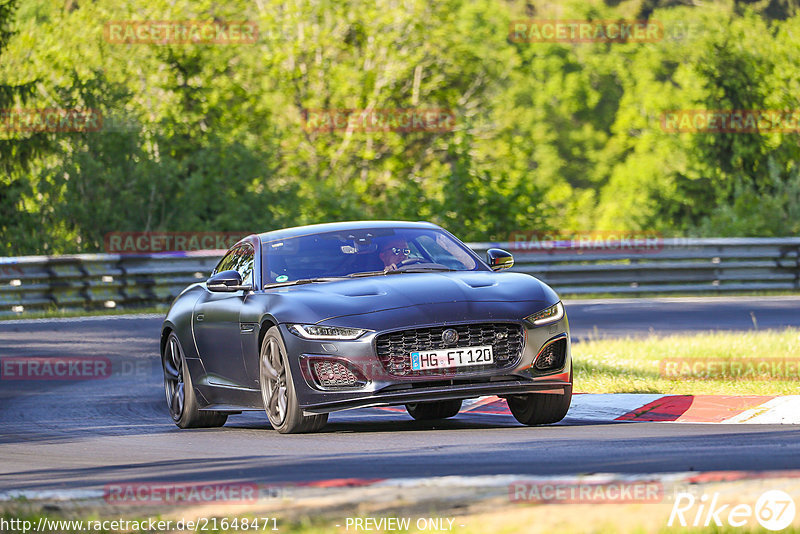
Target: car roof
[296,231]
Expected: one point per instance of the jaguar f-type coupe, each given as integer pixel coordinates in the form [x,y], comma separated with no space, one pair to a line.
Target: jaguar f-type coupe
[305,321]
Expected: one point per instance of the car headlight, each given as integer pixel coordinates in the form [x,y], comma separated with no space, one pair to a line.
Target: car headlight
[312,331]
[549,315]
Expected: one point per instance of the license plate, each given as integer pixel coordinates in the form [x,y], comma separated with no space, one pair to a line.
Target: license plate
[457,357]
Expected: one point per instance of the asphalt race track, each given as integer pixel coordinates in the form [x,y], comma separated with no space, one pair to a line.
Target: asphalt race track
[85,434]
[638,317]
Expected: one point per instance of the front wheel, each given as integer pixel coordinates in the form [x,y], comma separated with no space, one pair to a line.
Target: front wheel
[277,389]
[423,411]
[541,408]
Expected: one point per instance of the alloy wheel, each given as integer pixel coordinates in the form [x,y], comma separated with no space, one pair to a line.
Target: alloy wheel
[273,383]
[173,378]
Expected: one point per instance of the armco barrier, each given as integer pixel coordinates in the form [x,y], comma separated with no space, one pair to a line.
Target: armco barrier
[676,266]
[99,280]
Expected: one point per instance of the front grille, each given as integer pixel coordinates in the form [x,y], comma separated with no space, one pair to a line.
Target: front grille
[394,349]
[552,356]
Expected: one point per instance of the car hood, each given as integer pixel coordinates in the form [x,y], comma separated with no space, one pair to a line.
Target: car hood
[326,301]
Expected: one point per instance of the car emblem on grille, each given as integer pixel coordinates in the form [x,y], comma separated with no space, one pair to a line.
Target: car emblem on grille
[501,335]
[449,336]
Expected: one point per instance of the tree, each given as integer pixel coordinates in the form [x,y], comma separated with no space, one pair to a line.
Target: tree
[18,150]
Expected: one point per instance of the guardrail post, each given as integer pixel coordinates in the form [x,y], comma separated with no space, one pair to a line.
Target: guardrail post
[64,287]
[797,267]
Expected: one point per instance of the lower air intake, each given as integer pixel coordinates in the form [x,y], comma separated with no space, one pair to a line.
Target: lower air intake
[552,356]
[334,374]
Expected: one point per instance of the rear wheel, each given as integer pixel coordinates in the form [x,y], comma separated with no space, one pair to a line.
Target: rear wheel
[181,399]
[277,389]
[541,408]
[423,411]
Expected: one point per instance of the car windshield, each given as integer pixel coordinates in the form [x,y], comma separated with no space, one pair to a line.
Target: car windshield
[364,252]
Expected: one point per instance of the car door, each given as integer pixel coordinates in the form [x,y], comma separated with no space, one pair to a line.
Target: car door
[216,323]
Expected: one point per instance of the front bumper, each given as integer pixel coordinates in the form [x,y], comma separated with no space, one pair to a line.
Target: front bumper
[501,388]
[519,377]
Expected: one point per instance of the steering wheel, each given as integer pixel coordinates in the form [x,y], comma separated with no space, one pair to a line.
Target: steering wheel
[408,261]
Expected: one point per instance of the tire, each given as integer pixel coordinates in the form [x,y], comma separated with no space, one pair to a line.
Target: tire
[181,399]
[425,411]
[278,392]
[541,408]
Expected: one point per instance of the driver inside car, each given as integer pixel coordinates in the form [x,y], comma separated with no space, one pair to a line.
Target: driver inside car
[394,252]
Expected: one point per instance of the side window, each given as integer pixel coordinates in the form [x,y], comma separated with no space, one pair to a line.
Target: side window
[245,262]
[227,262]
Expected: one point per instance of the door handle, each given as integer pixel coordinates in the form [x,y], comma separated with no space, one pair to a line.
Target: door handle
[200,317]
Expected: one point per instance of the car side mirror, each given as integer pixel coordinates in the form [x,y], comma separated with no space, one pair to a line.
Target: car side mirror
[227,282]
[499,260]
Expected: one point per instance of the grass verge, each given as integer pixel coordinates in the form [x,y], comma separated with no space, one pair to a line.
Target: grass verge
[470,509]
[757,362]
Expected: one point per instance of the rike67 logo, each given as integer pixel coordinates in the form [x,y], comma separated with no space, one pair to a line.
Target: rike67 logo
[773,510]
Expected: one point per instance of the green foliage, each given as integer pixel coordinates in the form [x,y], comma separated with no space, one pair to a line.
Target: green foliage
[18,152]
[211,137]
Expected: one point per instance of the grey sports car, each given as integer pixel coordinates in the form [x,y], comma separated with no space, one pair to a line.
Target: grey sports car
[305,321]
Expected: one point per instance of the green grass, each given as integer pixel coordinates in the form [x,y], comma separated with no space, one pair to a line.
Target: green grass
[628,365]
[727,529]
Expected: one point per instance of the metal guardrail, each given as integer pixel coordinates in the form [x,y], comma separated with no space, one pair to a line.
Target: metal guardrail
[676,265]
[33,283]
[672,266]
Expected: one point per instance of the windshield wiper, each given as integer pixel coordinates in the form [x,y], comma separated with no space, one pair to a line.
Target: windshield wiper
[415,269]
[408,269]
[302,281]
[371,273]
